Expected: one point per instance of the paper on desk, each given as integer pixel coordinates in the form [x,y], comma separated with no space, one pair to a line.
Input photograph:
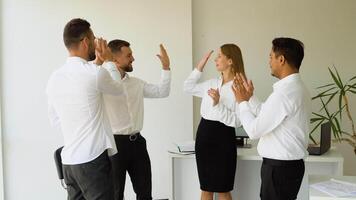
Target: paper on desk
[336,188]
[181,153]
[186,146]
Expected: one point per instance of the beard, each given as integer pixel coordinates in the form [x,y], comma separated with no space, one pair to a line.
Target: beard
[91,52]
[127,68]
[92,56]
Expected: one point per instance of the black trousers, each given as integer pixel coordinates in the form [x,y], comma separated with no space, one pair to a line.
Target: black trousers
[91,180]
[132,157]
[281,180]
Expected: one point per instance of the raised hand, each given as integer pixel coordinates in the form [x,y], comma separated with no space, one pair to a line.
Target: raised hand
[98,60]
[246,83]
[215,95]
[242,89]
[204,60]
[163,56]
[102,50]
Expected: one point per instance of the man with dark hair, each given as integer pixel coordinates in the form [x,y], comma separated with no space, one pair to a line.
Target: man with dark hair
[126,118]
[75,105]
[281,122]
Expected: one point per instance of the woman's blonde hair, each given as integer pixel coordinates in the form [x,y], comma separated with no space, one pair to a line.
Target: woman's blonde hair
[233,52]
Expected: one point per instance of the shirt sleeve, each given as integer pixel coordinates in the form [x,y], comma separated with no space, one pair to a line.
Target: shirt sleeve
[255,105]
[158,90]
[271,115]
[53,116]
[227,116]
[113,71]
[191,85]
[105,83]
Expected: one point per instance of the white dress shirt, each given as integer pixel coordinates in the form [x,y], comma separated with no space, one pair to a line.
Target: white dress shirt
[126,112]
[281,122]
[226,111]
[76,105]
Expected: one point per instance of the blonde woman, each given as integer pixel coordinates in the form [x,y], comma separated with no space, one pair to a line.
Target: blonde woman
[215,141]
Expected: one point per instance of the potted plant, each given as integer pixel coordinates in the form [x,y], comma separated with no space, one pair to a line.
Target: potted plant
[336,92]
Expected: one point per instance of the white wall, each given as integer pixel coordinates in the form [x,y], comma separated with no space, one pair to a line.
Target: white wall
[33,48]
[1,152]
[327,28]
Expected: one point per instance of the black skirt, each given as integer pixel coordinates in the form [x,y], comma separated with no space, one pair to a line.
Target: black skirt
[216,155]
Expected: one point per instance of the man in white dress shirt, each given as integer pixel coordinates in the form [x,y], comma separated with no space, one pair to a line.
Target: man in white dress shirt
[76,106]
[126,119]
[281,122]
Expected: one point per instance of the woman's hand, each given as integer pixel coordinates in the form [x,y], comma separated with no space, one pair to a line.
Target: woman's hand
[203,61]
[215,95]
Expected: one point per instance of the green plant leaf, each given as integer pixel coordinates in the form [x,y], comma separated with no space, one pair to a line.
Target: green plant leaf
[317,114]
[338,76]
[339,111]
[353,91]
[328,101]
[335,132]
[312,139]
[330,84]
[321,94]
[315,119]
[316,126]
[335,79]
[324,95]
[353,78]
[325,108]
[338,127]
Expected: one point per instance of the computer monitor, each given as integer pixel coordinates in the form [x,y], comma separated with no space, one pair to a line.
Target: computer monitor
[241,137]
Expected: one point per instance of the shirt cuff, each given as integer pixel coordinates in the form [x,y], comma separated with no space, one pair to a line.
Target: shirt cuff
[196,73]
[243,106]
[253,100]
[112,69]
[166,74]
[92,63]
[109,65]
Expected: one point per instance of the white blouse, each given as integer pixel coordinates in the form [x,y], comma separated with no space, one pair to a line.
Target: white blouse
[226,111]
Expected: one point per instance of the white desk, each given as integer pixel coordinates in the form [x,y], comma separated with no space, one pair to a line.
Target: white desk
[317,195]
[185,183]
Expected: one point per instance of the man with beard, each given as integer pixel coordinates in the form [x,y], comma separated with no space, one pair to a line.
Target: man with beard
[75,105]
[126,118]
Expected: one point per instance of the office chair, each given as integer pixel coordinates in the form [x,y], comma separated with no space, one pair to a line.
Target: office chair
[58,161]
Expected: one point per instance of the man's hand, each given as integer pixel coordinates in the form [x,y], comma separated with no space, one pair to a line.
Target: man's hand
[203,61]
[163,56]
[243,89]
[103,52]
[215,95]
[97,60]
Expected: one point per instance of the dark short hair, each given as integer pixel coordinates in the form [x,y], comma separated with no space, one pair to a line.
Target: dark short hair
[115,45]
[291,49]
[74,31]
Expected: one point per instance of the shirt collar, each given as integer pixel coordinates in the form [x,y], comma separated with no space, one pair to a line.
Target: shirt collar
[76,59]
[126,76]
[288,79]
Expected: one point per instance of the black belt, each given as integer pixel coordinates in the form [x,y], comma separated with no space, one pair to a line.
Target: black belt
[286,163]
[132,137]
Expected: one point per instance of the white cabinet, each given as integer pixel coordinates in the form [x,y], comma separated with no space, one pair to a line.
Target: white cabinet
[185,183]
